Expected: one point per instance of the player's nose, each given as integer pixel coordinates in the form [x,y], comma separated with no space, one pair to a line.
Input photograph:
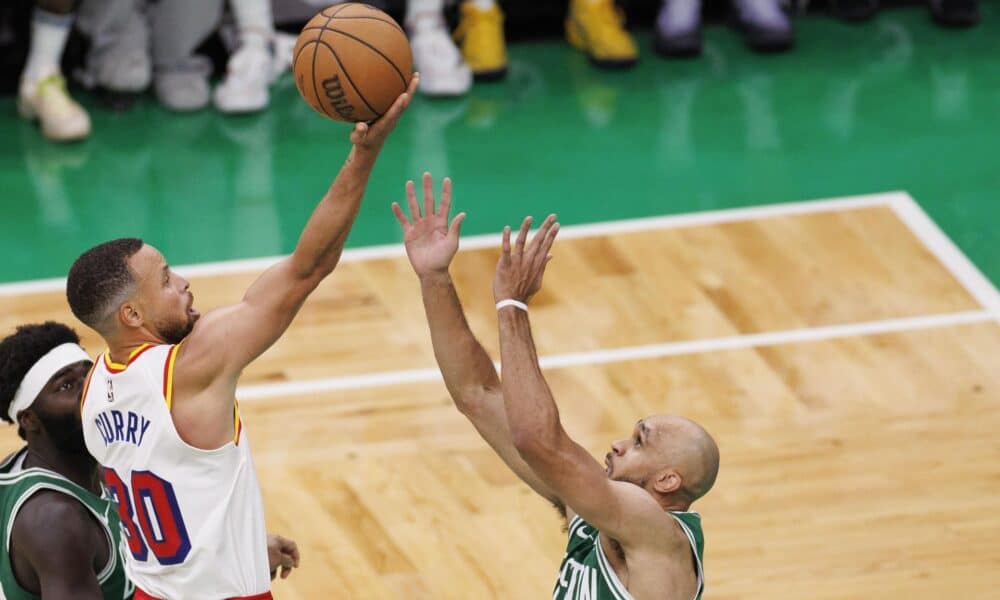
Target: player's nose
[618,447]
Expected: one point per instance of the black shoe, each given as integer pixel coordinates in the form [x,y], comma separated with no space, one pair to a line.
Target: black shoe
[955,13]
[766,28]
[678,29]
[854,10]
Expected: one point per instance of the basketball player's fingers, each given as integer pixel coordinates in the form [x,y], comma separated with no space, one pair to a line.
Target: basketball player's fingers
[505,246]
[401,217]
[401,102]
[359,133]
[456,225]
[411,200]
[445,208]
[549,239]
[542,232]
[428,182]
[543,255]
[522,236]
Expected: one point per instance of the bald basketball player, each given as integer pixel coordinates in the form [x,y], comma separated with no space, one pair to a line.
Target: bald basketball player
[159,406]
[631,532]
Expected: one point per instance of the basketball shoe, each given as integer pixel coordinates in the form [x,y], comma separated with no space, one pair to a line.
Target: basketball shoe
[46,99]
[955,13]
[436,58]
[598,28]
[480,33]
[249,74]
[678,28]
[766,28]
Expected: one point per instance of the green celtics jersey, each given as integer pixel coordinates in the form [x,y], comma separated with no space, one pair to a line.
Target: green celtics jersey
[586,573]
[17,484]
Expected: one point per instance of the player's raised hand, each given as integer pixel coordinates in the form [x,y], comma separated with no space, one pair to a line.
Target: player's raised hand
[283,554]
[521,267]
[431,242]
[371,136]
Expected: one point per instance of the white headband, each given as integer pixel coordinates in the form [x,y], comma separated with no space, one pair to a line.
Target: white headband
[41,372]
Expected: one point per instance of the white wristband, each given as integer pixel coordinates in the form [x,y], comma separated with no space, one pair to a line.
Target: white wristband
[512,302]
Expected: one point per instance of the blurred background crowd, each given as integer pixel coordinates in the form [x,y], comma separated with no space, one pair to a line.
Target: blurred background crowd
[179,49]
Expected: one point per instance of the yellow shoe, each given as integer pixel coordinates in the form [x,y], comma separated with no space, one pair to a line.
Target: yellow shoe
[480,35]
[598,28]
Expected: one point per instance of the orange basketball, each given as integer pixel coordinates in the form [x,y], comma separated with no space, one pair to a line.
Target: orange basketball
[351,62]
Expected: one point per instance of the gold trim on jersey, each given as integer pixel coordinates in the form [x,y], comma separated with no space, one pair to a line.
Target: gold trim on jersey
[168,376]
[86,385]
[237,422]
[117,367]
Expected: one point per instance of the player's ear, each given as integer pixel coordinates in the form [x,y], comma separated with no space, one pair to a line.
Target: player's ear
[28,421]
[129,315]
[667,481]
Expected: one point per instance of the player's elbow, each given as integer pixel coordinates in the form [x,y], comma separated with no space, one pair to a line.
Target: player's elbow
[472,399]
[529,444]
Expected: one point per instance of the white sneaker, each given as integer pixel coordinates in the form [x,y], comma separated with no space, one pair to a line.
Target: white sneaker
[442,70]
[249,74]
[46,99]
[284,48]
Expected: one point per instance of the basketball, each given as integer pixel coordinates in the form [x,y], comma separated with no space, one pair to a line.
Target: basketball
[351,62]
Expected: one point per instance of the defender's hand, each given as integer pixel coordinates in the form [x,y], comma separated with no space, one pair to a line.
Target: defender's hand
[520,270]
[371,136]
[430,241]
[283,554]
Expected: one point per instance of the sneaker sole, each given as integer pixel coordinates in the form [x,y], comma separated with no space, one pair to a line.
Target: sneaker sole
[613,64]
[490,75]
[686,46]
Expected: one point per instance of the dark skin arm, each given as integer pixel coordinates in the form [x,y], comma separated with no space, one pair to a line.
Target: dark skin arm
[57,547]
[625,511]
[468,371]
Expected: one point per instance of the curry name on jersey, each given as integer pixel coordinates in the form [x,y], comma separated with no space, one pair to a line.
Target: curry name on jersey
[193,519]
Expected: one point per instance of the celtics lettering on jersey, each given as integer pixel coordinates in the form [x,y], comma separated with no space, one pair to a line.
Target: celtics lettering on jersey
[586,573]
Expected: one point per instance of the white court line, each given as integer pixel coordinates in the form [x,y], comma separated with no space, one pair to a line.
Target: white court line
[600,357]
[947,253]
[710,217]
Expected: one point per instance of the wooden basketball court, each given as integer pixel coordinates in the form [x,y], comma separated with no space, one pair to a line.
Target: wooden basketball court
[844,355]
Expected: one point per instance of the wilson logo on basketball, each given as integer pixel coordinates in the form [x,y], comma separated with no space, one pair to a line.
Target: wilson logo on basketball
[335,94]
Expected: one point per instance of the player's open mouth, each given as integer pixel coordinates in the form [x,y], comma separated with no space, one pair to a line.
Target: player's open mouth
[607,464]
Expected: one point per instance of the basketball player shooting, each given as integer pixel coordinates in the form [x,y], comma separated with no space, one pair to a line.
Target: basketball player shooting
[631,533]
[159,408]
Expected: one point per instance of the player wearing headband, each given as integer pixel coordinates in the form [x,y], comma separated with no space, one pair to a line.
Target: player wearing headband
[61,537]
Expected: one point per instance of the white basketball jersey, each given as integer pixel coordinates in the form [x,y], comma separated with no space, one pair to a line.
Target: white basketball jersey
[193,519]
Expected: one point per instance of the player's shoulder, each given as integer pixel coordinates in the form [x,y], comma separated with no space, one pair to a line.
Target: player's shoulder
[45,507]
[76,541]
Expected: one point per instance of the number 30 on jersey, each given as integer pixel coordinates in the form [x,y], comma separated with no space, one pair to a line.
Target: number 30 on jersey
[151,517]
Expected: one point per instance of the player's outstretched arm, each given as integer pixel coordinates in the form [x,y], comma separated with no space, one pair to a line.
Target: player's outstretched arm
[625,511]
[468,372]
[226,340]
[62,557]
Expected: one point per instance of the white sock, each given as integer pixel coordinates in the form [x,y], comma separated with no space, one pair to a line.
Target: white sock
[422,14]
[49,32]
[483,4]
[254,20]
